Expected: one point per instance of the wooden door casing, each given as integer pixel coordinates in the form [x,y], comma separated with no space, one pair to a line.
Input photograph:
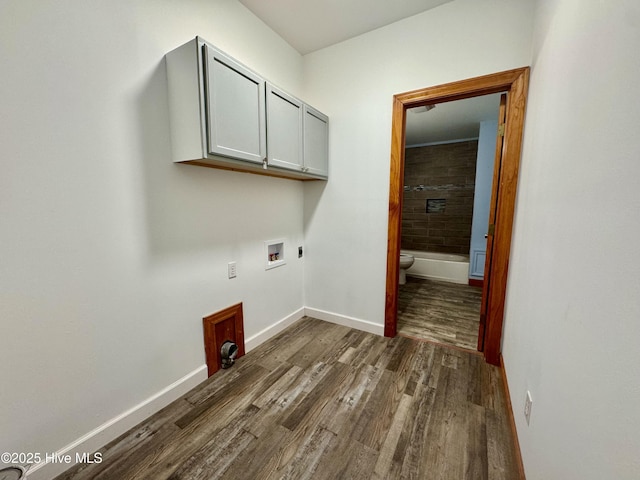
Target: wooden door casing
[515,84]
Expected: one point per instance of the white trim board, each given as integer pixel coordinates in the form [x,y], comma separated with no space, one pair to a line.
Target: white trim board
[271,331]
[112,429]
[352,322]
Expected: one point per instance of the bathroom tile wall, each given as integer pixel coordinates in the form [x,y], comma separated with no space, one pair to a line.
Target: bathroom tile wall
[445,172]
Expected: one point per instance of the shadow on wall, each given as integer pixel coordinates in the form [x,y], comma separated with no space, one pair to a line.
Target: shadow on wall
[188,208]
[312,194]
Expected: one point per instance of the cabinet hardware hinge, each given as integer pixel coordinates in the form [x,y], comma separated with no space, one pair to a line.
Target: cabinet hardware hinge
[492,229]
[501,130]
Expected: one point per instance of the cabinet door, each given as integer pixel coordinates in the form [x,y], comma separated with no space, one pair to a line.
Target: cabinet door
[235,109]
[284,129]
[316,142]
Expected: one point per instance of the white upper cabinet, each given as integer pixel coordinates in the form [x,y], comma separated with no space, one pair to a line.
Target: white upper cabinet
[297,134]
[224,115]
[316,142]
[235,106]
[284,132]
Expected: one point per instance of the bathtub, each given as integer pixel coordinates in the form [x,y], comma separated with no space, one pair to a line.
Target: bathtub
[439,266]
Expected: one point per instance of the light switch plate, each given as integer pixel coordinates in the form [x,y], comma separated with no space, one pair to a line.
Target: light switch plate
[231,268]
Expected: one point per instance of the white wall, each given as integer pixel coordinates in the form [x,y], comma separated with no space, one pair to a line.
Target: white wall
[573,305]
[354,82]
[111,254]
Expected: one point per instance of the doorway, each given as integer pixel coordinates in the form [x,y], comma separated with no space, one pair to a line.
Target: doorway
[514,83]
[448,174]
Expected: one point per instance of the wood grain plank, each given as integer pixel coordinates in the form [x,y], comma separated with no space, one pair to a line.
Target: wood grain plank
[371,425]
[278,387]
[374,434]
[412,442]
[197,430]
[475,451]
[252,460]
[319,347]
[289,398]
[226,395]
[300,458]
[368,352]
[289,345]
[317,399]
[444,427]
[361,463]
[385,459]
[348,399]
[217,454]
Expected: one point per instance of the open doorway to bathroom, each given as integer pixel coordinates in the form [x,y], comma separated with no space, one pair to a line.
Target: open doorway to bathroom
[448,173]
[515,84]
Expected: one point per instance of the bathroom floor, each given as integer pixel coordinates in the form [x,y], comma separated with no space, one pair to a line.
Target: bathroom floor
[441,312]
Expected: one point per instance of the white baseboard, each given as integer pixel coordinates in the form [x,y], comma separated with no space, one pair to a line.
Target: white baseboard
[112,429]
[272,330]
[352,322]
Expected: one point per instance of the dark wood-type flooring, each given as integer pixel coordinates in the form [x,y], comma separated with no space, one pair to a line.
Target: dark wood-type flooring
[441,312]
[323,401]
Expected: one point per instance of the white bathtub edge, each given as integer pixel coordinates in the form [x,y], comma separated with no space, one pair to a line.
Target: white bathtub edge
[439,267]
[440,279]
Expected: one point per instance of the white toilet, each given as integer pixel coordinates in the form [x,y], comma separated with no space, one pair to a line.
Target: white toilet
[405,262]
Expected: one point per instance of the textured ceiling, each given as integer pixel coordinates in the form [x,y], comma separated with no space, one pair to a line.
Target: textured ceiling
[309,25]
[451,121]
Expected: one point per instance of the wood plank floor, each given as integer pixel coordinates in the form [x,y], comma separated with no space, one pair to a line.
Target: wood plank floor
[323,401]
[441,312]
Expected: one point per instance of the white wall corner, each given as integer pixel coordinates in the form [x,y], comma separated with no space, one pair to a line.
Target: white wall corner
[357,323]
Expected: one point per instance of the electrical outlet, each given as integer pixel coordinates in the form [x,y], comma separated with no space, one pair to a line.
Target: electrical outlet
[527,407]
[231,269]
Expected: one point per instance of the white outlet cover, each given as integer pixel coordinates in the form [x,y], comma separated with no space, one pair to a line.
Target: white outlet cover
[527,407]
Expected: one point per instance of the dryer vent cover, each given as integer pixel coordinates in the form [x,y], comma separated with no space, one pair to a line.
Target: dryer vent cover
[228,353]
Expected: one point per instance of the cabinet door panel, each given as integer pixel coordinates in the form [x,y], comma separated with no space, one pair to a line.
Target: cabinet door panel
[316,142]
[284,129]
[235,109]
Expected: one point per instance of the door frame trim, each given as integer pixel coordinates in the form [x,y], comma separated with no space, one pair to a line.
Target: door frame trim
[515,83]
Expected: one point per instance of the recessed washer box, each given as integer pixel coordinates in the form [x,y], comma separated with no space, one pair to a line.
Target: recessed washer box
[274,253]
